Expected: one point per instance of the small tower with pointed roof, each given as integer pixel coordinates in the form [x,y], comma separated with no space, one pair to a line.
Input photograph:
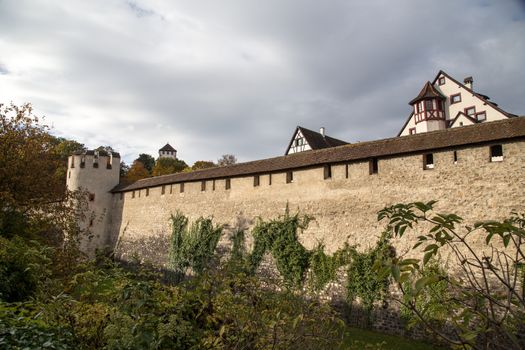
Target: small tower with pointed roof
[429,109]
[168,152]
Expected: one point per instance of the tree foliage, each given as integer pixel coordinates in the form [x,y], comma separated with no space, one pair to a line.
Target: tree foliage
[166,166]
[202,164]
[33,200]
[147,160]
[136,172]
[226,159]
[485,300]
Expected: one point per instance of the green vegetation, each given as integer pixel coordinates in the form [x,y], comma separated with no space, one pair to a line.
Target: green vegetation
[484,302]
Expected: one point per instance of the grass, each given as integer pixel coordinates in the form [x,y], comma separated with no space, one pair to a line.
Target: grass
[360,338]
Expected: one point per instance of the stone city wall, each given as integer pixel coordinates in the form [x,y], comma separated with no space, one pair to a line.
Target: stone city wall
[344,206]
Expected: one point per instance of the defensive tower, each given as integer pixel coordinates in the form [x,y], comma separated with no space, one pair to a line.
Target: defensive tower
[96,172]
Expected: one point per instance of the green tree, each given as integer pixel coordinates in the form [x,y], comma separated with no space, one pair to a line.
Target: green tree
[165,166]
[147,160]
[63,149]
[227,159]
[485,299]
[33,201]
[202,164]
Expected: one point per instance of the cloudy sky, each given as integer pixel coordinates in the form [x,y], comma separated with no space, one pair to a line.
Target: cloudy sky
[237,76]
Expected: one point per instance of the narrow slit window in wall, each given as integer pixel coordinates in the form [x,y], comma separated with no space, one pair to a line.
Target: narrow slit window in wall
[227,184]
[496,153]
[171,189]
[289,177]
[181,187]
[91,197]
[163,191]
[213,185]
[327,172]
[203,185]
[373,166]
[69,174]
[73,162]
[269,179]
[256,180]
[147,192]
[428,161]
[133,194]
[455,157]
[108,163]
[83,162]
[346,171]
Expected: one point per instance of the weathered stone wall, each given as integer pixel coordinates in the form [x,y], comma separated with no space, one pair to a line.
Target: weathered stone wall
[344,207]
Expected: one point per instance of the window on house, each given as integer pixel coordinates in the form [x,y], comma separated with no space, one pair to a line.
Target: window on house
[412,131]
[73,162]
[496,153]
[181,187]
[171,189]
[69,174]
[91,197]
[213,185]
[269,179]
[203,185]
[441,81]
[460,123]
[428,161]
[299,141]
[289,177]
[228,184]
[481,116]
[346,171]
[121,195]
[256,180]
[470,111]
[455,157]
[455,98]
[108,163]
[147,192]
[83,162]
[133,194]
[140,192]
[327,172]
[428,105]
[163,189]
[373,166]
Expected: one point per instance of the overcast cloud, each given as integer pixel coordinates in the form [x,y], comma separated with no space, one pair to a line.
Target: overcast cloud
[237,76]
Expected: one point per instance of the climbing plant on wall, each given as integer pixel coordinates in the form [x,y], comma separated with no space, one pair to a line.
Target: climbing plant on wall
[192,247]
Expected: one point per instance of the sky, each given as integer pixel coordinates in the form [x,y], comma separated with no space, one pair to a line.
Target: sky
[237,76]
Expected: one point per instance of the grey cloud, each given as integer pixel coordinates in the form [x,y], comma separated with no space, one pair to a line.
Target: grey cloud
[237,76]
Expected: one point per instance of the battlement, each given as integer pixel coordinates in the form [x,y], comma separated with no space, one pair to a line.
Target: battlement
[93,159]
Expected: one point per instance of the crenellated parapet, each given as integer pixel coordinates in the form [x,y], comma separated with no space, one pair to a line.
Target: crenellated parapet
[95,172]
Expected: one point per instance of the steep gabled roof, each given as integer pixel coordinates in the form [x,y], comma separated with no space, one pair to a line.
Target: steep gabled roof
[428,91]
[482,97]
[168,147]
[483,133]
[316,140]
[451,122]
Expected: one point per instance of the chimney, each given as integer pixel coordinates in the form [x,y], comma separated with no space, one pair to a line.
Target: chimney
[468,82]
[321,130]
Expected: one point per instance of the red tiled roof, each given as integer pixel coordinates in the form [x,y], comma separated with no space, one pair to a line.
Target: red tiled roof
[487,132]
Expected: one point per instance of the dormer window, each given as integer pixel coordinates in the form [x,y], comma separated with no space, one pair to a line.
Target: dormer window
[299,141]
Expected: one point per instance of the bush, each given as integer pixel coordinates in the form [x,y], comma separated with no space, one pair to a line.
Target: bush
[24,266]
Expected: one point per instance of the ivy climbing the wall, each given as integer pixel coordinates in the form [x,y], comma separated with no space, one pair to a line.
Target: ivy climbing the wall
[365,281]
[192,247]
[279,237]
